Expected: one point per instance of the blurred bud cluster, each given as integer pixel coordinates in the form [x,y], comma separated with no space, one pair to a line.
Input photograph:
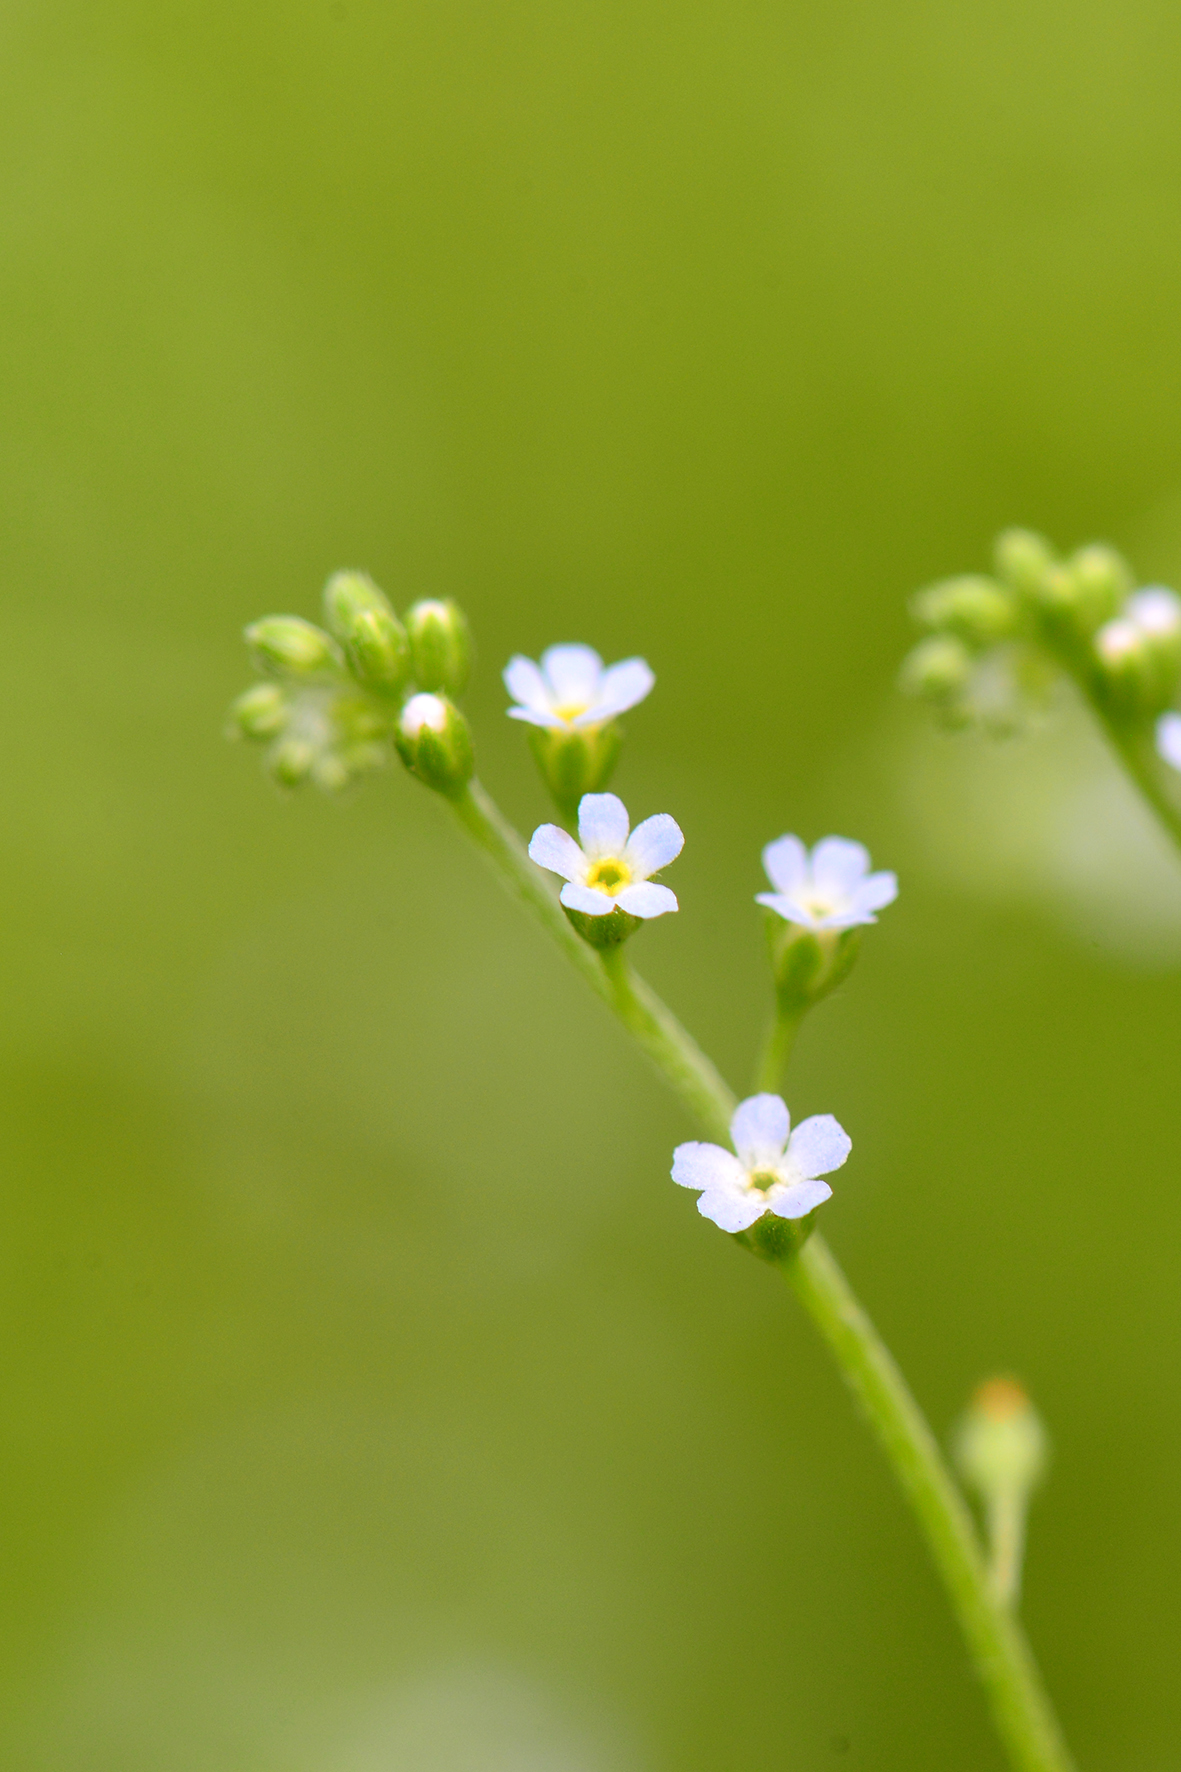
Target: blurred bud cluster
[334,699]
[995,646]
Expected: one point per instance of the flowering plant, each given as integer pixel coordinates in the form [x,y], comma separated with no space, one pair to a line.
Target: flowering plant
[340,701]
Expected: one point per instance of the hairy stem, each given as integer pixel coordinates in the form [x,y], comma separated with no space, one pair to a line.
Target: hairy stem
[1002,1657]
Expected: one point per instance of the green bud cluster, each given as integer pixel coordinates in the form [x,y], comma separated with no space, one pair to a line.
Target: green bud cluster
[335,698]
[994,645]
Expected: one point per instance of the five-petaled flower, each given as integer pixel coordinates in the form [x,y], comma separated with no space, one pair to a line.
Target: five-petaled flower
[773,1172]
[830,889]
[607,869]
[571,690]
[1168,738]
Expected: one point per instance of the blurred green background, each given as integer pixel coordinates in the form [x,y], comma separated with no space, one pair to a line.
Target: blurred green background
[371,1399]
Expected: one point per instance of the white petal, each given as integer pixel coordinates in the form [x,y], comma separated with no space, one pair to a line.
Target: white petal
[838,866]
[789,910]
[1168,738]
[786,862]
[797,1199]
[553,848]
[622,686]
[535,717]
[526,685]
[877,892]
[1155,610]
[653,844]
[586,899]
[706,1166]
[646,899]
[759,1129]
[573,673]
[602,824]
[817,1146]
[731,1211]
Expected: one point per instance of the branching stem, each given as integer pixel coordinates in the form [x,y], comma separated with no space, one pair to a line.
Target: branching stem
[1020,1707]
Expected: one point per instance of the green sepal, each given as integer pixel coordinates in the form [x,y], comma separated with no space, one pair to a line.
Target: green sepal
[807,965]
[603,932]
[574,763]
[777,1239]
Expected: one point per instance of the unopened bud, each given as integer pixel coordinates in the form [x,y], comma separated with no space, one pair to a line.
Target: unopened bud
[575,762]
[977,610]
[261,713]
[1133,677]
[1001,1444]
[1102,579]
[937,669]
[435,743]
[1002,1452]
[374,640]
[1022,559]
[440,645]
[286,646]
[291,760]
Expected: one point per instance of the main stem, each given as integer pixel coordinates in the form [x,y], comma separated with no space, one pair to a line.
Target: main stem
[1021,1709]
[1139,761]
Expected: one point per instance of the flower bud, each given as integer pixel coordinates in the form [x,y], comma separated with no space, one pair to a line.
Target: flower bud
[575,762]
[440,645]
[435,743]
[286,646]
[937,669]
[261,713]
[1157,613]
[291,760]
[977,610]
[1102,579]
[374,640]
[1136,672]
[1001,1444]
[1022,560]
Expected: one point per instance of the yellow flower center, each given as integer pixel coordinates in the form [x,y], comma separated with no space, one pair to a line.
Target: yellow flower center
[609,874]
[762,1181]
[570,710]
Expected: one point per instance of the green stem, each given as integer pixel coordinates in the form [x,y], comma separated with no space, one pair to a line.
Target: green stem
[780,1038]
[1004,1662]
[1138,756]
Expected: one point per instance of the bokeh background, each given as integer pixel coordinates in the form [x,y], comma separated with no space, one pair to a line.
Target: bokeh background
[371,1400]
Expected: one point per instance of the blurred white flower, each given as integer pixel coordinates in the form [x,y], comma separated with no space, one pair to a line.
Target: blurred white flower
[608,869]
[773,1172]
[830,889]
[1168,738]
[571,689]
[1155,611]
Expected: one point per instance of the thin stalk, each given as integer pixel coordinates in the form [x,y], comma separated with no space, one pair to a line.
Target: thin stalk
[1002,1657]
[1006,1543]
[1140,765]
[777,1044]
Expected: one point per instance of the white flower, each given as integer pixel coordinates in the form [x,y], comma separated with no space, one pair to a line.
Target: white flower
[772,1171]
[571,689]
[610,868]
[1168,738]
[830,889]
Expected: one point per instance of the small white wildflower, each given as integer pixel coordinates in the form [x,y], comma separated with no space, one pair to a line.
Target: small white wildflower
[1119,639]
[830,889]
[1168,739]
[773,1172]
[571,690]
[607,868]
